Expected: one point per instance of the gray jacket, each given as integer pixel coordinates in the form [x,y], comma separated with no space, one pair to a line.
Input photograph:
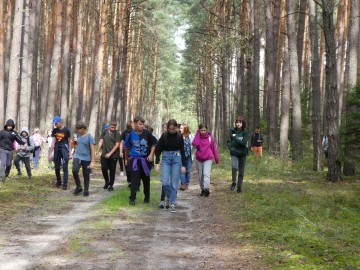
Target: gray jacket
[27,149]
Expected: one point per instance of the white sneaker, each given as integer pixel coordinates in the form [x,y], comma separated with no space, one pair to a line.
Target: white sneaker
[172,208]
[121,173]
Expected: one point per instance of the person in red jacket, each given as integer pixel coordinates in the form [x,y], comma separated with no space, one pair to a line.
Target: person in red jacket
[206,151]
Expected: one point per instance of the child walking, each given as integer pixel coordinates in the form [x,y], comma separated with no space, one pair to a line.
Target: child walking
[237,144]
[84,158]
[171,145]
[188,139]
[206,150]
[24,152]
[139,152]
[7,137]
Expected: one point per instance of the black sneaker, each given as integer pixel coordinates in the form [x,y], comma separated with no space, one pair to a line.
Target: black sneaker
[58,184]
[64,187]
[131,202]
[77,190]
[233,186]
[86,193]
[110,188]
[202,193]
[238,190]
[206,192]
[106,186]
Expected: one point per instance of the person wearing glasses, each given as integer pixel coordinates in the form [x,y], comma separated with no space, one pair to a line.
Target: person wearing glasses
[237,144]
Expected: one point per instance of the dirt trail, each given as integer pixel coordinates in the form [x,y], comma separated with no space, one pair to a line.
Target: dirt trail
[191,238]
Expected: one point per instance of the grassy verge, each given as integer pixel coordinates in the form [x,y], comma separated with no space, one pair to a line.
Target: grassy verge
[298,219]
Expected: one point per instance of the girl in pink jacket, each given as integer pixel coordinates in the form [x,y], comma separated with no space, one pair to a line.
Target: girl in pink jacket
[206,150]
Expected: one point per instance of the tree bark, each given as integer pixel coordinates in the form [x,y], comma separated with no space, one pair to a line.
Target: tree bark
[315,82]
[2,64]
[296,138]
[332,101]
[14,71]
[256,65]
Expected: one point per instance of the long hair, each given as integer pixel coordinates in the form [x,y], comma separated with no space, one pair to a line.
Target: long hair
[186,130]
[171,122]
[241,119]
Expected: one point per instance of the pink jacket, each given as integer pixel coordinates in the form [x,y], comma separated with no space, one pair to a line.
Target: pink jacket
[206,147]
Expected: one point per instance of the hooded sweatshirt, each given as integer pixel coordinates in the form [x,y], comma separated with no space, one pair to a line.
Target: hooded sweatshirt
[7,137]
[206,147]
[26,150]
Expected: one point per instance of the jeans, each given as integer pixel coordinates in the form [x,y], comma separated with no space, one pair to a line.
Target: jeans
[26,161]
[238,164]
[108,164]
[185,177]
[5,162]
[170,173]
[204,171]
[77,164]
[36,156]
[136,176]
[58,163]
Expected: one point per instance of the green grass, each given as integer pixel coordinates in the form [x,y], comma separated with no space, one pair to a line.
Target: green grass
[297,218]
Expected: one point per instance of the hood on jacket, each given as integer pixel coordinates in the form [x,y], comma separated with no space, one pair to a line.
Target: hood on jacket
[24,129]
[10,122]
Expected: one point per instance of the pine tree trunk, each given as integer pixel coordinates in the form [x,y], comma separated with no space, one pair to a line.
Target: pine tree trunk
[332,102]
[105,77]
[55,63]
[300,33]
[2,63]
[285,105]
[256,65]
[296,138]
[25,91]
[77,66]
[65,80]
[315,82]
[14,71]
[351,72]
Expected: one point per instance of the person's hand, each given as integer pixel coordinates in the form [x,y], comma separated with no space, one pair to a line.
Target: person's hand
[150,158]
[121,154]
[183,169]
[108,155]
[157,167]
[126,162]
[97,153]
[91,166]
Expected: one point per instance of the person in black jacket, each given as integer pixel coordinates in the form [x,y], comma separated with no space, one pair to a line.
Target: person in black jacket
[257,140]
[7,138]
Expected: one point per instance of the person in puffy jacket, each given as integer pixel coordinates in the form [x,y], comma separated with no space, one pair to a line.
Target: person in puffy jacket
[7,137]
[206,151]
[237,144]
[24,152]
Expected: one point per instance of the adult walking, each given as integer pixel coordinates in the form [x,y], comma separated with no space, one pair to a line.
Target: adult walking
[237,144]
[188,139]
[171,146]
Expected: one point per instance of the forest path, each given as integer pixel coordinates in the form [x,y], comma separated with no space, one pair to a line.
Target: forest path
[65,237]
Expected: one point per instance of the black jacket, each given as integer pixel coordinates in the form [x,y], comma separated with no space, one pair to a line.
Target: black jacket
[7,137]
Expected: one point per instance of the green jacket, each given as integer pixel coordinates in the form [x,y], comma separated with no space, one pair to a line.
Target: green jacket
[237,142]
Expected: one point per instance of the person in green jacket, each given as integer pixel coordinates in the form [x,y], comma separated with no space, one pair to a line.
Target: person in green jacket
[237,144]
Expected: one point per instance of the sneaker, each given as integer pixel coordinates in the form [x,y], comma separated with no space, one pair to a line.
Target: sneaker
[121,173]
[58,184]
[238,190]
[233,186]
[106,186]
[110,188]
[86,193]
[64,187]
[167,204]
[206,192]
[162,204]
[146,201]
[202,193]
[132,202]
[186,187]
[182,187]
[77,190]
[172,208]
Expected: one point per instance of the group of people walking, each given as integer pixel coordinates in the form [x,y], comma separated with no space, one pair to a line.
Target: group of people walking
[137,148]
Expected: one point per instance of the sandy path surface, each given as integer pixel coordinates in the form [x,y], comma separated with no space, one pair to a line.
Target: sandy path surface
[191,238]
